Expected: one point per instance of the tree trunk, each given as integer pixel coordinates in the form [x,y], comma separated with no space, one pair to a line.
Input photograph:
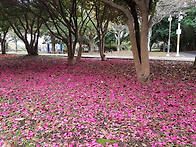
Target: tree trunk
[31,50]
[142,67]
[53,42]
[91,45]
[118,43]
[3,46]
[70,53]
[80,49]
[101,48]
[16,47]
[194,64]
[144,45]
[149,36]
[141,62]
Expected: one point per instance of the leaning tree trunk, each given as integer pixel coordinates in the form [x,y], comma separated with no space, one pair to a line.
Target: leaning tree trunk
[141,65]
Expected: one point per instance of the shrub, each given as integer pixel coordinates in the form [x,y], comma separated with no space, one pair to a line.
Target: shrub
[110,48]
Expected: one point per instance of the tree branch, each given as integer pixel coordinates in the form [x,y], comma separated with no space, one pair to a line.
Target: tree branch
[120,8]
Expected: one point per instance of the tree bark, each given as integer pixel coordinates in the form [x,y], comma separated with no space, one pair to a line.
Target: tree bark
[53,42]
[80,49]
[101,48]
[149,36]
[3,46]
[71,48]
[3,41]
[32,51]
[70,60]
[194,64]
[144,45]
[118,44]
[31,48]
[70,56]
[91,45]
[16,47]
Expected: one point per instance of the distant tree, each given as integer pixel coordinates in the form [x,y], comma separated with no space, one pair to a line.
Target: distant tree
[119,31]
[13,37]
[100,23]
[91,35]
[82,25]
[4,28]
[64,17]
[103,14]
[188,36]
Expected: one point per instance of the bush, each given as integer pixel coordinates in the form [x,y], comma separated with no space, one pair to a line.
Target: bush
[64,50]
[110,48]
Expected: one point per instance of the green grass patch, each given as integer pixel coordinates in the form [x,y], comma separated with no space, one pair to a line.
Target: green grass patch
[103,141]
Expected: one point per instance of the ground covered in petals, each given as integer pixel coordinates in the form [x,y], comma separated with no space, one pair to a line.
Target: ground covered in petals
[45,102]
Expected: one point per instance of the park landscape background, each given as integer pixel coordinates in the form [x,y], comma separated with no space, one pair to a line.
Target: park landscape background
[45,102]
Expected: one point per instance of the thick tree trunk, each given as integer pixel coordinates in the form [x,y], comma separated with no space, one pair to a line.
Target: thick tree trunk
[139,45]
[70,55]
[70,61]
[31,50]
[142,67]
[144,46]
[71,46]
[3,46]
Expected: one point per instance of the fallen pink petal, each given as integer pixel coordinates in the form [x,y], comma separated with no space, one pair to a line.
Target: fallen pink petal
[46,102]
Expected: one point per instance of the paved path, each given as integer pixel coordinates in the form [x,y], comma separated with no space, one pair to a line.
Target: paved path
[186,56]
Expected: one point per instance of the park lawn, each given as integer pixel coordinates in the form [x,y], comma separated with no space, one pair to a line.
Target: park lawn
[45,102]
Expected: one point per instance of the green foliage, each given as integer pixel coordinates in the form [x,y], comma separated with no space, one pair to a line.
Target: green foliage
[4,25]
[160,31]
[188,39]
[109,48]
[109,38]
